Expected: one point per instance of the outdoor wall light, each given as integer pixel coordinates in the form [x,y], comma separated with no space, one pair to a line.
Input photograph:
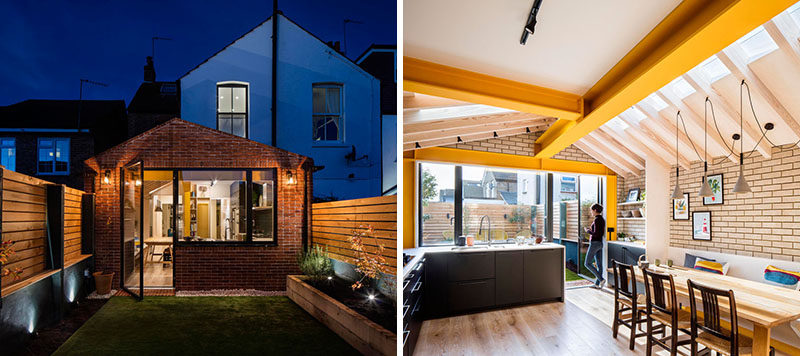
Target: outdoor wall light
[138,182]
[107,177]
[289,177]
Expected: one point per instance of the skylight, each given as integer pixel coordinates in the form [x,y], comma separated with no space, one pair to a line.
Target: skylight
[794,13]
[636,114]
[757,43]
[681,88]
[617,124]
[656,102]
[713,69]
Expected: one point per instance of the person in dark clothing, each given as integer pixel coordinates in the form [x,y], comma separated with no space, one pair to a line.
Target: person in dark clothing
[595,253]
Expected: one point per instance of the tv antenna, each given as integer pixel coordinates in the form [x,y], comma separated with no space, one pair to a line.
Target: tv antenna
[80,97]
[153,44]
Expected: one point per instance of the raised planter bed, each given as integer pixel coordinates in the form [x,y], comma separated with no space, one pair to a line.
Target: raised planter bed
[363,334]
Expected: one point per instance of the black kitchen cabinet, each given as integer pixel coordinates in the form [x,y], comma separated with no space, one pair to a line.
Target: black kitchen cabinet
[458,282]
[436,284]
[413,303]
[470,266]
[509,277]
[622,253]
[544,275]
[471,295]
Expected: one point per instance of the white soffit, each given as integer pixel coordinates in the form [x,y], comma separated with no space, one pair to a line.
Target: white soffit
[575,43]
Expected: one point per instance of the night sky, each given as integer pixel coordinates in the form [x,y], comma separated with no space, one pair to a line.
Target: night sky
[46,47]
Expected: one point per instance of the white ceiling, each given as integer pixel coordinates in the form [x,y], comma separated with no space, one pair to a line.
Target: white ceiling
[575,44]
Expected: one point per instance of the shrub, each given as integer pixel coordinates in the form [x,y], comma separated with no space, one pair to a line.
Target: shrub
[6,251]
[369,264]
[315,263]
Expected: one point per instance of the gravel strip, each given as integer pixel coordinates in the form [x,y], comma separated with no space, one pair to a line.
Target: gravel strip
[94,295]
[229,293]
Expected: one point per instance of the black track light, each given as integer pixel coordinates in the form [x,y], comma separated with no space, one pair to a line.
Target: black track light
[530,26]
[459,139]
[416,145]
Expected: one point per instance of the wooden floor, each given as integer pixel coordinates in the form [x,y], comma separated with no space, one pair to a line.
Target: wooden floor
[579,326]
[155,276]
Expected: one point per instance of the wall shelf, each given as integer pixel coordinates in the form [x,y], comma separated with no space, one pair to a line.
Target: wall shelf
[632,203]
[621,218]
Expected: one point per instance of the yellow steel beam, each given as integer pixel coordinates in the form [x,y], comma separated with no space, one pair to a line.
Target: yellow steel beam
[691,33]
[439,80]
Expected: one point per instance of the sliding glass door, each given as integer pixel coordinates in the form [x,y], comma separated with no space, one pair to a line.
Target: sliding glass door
[131,246]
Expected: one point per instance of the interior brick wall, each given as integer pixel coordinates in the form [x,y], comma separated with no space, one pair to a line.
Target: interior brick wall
[180,144]
[521,145]
[764,223]
[630,227]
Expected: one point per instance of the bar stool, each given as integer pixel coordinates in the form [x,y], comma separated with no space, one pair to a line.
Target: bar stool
[626,299]
[662,307]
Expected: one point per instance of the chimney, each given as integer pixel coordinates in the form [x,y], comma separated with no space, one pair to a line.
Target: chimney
[149,70]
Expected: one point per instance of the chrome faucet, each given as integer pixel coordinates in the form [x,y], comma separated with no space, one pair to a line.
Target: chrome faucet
[480,229]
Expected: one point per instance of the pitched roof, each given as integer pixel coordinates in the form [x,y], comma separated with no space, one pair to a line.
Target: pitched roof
[156,97]
[62,114]
[178,138]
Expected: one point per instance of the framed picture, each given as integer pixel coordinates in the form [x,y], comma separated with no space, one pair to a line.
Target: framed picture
[701,225]
[633,195]
[680,208]
[715,181]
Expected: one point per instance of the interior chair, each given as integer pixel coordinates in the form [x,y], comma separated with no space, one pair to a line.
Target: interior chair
[710,331]
[629,305]
[662,308]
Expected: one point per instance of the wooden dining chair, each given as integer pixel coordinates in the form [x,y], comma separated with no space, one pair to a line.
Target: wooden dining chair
[662,307]
[627,300]
[710,332]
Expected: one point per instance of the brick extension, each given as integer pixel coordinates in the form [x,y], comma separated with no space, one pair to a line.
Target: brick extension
[181,144]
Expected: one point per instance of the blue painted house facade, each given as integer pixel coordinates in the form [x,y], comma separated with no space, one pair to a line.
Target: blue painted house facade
[327,107]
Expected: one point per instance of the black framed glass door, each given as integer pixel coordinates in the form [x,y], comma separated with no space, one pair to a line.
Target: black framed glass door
[131,243]
[589,193]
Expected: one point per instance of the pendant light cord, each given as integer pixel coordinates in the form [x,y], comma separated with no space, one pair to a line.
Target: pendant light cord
[760,127]
[687,135]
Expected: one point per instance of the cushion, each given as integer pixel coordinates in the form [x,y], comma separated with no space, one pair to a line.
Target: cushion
[781,276]
[689,260]
[708,266]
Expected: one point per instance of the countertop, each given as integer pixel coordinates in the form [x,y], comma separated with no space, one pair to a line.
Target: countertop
[420,252]
[630,243]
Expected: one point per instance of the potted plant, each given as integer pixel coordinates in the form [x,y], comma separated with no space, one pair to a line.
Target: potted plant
[315,264]
[102,282]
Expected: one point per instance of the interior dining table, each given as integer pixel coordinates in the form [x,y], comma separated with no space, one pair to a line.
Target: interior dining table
[151,243]
[764,305]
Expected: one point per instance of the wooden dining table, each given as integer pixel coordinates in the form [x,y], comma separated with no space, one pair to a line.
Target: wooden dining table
[766,306]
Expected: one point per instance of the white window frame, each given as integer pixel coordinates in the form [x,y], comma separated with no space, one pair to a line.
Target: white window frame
[234,84]
[54,141]
[340,115]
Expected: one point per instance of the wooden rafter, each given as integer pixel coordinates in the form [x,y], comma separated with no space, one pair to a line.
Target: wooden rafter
[409,145]
[652,140]
[620,148]
[624,136]
[607,151]
[733,60]
[691,114]
[751,133]
[535,124]
[657,122]
[472,121]
[604,159]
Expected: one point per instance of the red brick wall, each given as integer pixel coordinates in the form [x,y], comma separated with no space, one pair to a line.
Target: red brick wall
[180,144]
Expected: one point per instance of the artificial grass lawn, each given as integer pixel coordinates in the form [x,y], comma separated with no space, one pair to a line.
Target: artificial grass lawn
[203,326]
[572,276]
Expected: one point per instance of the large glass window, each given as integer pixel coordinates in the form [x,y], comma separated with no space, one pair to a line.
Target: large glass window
[509,200]
[8,153]
[212,206]
[232,108]
[437,208]
[327,112]
[53,156]
[454,199]
[264,197]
